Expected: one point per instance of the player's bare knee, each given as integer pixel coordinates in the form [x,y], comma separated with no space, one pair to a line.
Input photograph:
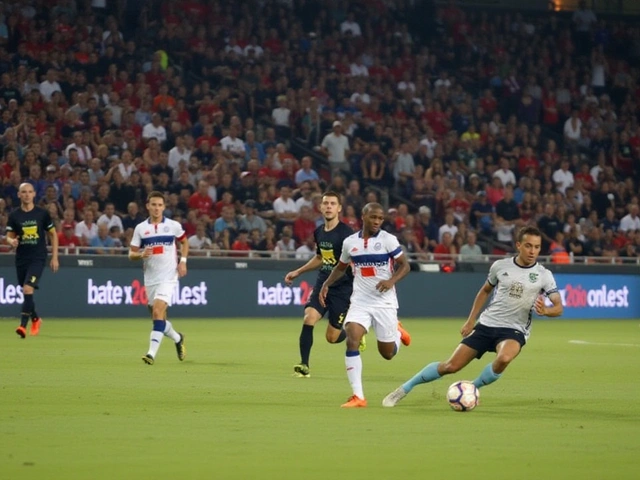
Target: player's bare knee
[449,367]
[387,355]
[332,337]
[27,290]
[501,362]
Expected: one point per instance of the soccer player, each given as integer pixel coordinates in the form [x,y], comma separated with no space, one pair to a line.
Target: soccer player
[373,254]
[329,238]
[154,242]
[504,326]
[26,228]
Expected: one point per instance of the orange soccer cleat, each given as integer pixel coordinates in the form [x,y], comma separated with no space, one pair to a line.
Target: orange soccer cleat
[355,402]
[405,338]
[21,331]
[35,327]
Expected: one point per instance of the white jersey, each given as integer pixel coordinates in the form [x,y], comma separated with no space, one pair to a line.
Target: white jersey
[372,261]
[516,290]
[162,266]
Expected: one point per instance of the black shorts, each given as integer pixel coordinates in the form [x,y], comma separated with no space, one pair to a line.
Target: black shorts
[338,300]
[485,339]
[29,273]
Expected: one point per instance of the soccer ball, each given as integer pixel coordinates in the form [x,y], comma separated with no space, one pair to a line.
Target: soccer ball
[463,396]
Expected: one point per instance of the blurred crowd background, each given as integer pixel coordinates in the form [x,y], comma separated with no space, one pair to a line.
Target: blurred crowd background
[464,123]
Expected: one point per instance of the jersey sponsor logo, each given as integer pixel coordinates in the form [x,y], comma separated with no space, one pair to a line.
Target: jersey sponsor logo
[279,294]
[368,271]
[10,294]
[516,290]
[157,249]
[328,257]
[157,240]
[371,260]
[110,293]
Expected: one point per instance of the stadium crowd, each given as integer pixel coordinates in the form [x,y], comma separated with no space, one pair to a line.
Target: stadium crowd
[474,122]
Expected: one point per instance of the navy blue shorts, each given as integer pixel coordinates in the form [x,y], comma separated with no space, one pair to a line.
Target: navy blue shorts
[485,339]
[29,273]
[338,300]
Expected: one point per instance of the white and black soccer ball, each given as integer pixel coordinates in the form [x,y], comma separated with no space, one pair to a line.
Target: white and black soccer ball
[463,396]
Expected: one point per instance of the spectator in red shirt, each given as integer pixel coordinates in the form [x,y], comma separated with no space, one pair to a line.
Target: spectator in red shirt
[241,244]
[444,251]
[201,201]
[304,226]
[67,238]
[528,160]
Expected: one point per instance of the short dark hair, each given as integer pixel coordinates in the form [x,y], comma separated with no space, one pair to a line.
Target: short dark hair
[331,193]
[529,230]
[155,194]
[371,206]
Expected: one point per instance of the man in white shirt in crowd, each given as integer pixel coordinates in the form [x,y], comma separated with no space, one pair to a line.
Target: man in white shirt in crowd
[336,147]
[350,25]
[110,218]
[448,227]
[231,145]
[179,153]
[631,221]
[155,129]
[87,230]
[84,152]
[285,207]
[505,174]
[50,85]
[199,240]
[563,178]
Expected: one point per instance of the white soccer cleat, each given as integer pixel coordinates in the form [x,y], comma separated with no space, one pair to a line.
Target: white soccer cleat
[394,397]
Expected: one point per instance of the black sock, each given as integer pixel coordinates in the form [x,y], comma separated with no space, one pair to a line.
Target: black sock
[341,337]
[306,342]
[27,308]
[34,314]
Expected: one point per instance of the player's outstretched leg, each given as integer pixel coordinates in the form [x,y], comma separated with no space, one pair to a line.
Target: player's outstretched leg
[305,342]
[433,371]
[353,364]
[177,338]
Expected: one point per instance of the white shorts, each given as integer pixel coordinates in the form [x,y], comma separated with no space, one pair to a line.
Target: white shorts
[383,320]
[160,291]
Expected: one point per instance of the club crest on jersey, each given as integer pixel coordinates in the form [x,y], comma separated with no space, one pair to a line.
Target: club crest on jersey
[377,246]
[533,277]
[166,228]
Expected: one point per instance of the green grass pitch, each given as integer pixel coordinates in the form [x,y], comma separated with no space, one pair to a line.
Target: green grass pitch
[77,402]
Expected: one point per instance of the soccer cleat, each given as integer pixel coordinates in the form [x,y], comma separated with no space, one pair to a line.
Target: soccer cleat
[21,331]
[180,348]
[35,326]
[354,402]
[301,371]
[405,338]
[394,397]
[363,344]
[148,359]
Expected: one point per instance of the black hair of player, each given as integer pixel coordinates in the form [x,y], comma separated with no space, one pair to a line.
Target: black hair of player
[331,193]
[529,230]
[155,194]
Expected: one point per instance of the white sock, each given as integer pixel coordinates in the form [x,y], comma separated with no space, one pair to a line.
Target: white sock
[171,333]
[154,343]
[354,372]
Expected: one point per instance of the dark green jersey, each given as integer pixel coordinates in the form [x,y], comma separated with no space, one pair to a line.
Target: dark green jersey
[329,247]
[31,229]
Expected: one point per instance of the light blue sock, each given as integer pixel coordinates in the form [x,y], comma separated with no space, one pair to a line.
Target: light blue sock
[486,377]
[427,374]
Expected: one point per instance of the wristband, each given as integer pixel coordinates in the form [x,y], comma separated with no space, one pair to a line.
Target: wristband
[183,260]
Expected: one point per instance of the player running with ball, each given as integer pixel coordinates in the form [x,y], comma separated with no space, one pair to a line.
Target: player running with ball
[504,326]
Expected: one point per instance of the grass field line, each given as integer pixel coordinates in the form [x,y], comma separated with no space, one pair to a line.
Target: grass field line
[599,344]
